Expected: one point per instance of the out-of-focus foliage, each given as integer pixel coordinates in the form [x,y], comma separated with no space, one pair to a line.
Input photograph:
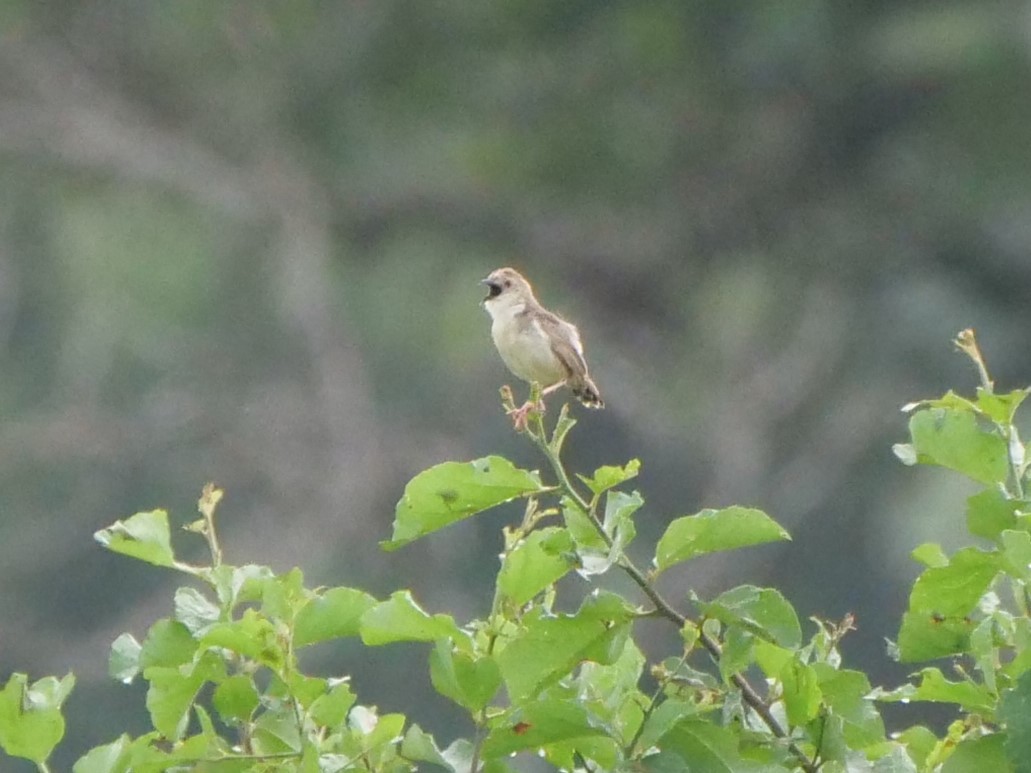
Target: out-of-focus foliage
[241,240]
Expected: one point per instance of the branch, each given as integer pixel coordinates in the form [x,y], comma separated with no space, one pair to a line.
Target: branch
[749,695]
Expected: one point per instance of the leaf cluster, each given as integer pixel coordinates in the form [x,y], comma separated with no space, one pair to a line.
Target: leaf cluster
[559,673]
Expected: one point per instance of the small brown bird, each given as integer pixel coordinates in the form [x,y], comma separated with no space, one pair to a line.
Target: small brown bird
[536,345]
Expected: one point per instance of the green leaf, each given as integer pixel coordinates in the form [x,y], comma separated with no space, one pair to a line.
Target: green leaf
[990,512]
[551,647]
[714,530]
[48,693]
[330,710]
[930,554]
[236,698]
[333,614]
[980,755]
[283,596]
[124,661]
[1015,715]
[311,760]
[801,692]
[738,652]
[610,692]
[935,688]
[595,555]
[827,730]
[1016,554]
[168,643]
[664,762]
[919,743]
[459,757]
[537,724]
[194,610]
[610,683]
[847,692]
[275,731]
[771,658]
[536,563]
[608,477]
[387,730]
[145,536]
[618,522]
[762,611]
[303,689]
[949,400]
[173,689]
[239,584]
[469,682]
[109,758]
[582,529]
[252,636]
[168,699]
[1021,635]
[600,749]
[31,724]
[452,491]
[419,745]
[1000,408]
[955,590]
[207,730]
[905,453]
[664,717]
[928,635]
[709,747]
[952,438]
[897,760]
[401,619]
[184,755]
[127,755]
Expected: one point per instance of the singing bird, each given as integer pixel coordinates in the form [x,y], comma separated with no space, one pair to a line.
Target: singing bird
[536,344]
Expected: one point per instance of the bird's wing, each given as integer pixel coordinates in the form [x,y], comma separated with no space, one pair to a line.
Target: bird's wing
[565,342]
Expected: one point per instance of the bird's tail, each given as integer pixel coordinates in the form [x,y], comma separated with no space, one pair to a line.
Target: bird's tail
[587,393]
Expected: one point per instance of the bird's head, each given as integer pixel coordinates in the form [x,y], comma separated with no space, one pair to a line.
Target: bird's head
[506,288]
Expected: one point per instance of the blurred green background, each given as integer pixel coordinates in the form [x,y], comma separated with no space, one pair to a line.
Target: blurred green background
[240,242]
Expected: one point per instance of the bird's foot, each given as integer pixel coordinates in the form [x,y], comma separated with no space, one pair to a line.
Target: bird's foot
[521,415]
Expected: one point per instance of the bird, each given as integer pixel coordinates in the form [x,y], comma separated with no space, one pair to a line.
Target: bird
[537,345]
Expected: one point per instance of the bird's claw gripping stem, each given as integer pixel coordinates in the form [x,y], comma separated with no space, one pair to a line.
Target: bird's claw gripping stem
[521,415]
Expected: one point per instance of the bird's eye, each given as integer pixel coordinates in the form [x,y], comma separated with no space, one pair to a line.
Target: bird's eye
[508,283]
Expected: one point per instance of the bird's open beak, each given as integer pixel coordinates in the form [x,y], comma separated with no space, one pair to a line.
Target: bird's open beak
[493,288]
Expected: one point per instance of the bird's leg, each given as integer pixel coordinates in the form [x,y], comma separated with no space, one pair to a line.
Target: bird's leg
[520,416]
[552,388]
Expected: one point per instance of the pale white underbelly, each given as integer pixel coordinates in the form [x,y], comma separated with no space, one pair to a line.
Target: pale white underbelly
[527,352]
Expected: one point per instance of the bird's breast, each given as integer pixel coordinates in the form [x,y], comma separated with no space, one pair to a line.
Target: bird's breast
[526,350]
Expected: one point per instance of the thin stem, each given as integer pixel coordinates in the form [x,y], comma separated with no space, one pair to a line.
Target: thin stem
[481,736]
[966,342]
[651,707]
[530,517]
[210,496]
[481,724]
[257,757]
[216,549]
[748,693]
[1013,439]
